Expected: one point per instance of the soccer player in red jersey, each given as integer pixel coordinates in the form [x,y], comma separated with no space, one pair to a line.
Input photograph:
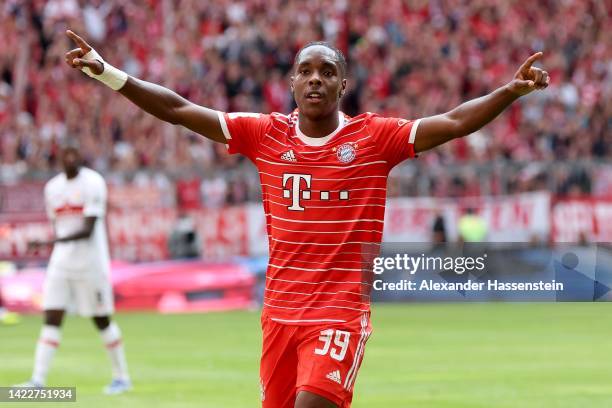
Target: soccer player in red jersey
[323,176]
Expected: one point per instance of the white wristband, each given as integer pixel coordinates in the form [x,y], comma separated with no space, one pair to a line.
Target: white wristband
[112,77]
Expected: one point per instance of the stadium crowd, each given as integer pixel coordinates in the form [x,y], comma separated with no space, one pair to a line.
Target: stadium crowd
[406,58]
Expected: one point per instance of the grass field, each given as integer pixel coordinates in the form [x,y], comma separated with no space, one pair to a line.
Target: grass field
[421,355]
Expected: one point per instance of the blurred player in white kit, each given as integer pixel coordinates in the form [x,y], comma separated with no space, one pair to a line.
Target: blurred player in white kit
[78,277]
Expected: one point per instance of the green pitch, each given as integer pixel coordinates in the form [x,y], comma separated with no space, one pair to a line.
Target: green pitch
[438,355]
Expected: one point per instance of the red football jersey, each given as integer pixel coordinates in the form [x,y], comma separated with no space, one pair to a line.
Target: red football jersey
[324,201]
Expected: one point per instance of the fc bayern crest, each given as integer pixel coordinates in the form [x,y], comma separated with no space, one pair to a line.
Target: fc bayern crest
[346,153]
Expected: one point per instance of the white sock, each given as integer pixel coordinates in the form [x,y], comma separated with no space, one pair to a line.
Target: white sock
[48,342]
[114,345]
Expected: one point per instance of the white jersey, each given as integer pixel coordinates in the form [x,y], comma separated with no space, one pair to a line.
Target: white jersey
[68,202]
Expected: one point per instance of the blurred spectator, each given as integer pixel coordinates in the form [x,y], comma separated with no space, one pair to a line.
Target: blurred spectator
[439,229]
[409,59]
[472,227]
[184,241]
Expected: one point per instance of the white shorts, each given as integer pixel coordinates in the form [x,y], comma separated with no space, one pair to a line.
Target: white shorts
[87,297]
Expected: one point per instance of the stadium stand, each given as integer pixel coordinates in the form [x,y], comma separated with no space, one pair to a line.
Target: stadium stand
[237,56]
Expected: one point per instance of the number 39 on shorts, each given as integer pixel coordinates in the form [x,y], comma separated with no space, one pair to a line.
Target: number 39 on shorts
[340,339]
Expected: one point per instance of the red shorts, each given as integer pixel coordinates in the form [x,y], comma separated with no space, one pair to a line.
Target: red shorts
[323,359]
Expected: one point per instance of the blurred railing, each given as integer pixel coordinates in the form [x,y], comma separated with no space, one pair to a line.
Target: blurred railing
[501,177]
[238,184]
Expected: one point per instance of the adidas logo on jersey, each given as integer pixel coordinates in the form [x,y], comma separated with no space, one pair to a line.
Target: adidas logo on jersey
[334,376]
[289,156]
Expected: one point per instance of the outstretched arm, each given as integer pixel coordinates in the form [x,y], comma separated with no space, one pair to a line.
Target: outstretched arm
[160,102]
[472,115]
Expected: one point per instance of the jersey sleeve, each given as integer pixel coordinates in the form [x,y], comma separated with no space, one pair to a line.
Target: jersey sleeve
[244,131]
[95,199]
[394,138]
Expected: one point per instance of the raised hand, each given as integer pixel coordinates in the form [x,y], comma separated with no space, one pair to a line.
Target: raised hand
[75,59]
[528,79]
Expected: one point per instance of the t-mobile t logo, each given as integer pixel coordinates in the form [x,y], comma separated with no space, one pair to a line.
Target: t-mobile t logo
[294,191]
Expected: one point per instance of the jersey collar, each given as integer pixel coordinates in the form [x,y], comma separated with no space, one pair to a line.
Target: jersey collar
[319,141]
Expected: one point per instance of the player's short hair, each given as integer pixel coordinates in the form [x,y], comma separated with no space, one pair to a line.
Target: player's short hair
[339,55]
[70,143]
